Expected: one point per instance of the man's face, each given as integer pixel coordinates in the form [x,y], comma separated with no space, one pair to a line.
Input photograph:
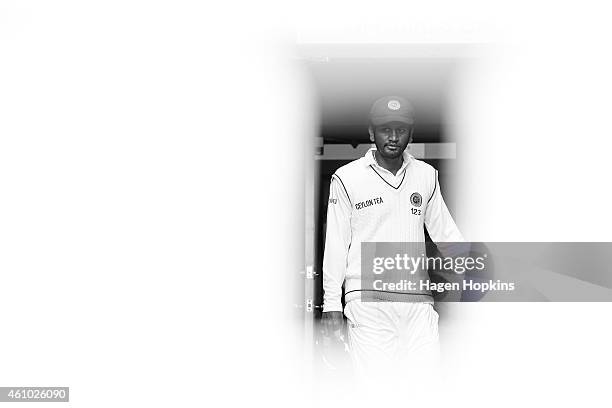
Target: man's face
[391,138]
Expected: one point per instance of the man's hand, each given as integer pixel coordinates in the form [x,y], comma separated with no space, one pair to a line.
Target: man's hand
[332,324]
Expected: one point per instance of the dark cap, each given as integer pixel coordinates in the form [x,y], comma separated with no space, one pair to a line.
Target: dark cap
[391,109]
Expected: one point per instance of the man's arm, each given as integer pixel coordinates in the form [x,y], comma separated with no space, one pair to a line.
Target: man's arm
[444,232]
[440,224]
[337,242]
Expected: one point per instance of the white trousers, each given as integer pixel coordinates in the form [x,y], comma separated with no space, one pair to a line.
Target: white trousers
[393,339]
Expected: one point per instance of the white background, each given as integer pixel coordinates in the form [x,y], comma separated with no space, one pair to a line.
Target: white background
[151,187]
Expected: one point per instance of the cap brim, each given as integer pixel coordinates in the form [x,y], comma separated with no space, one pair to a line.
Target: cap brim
[381,120]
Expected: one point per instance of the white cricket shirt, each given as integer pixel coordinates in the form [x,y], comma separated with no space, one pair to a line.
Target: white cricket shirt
[367,203]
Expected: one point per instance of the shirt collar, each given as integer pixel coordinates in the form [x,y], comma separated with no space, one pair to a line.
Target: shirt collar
[370,160]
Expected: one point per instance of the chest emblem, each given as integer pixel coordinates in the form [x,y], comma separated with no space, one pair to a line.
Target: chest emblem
[416,199]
